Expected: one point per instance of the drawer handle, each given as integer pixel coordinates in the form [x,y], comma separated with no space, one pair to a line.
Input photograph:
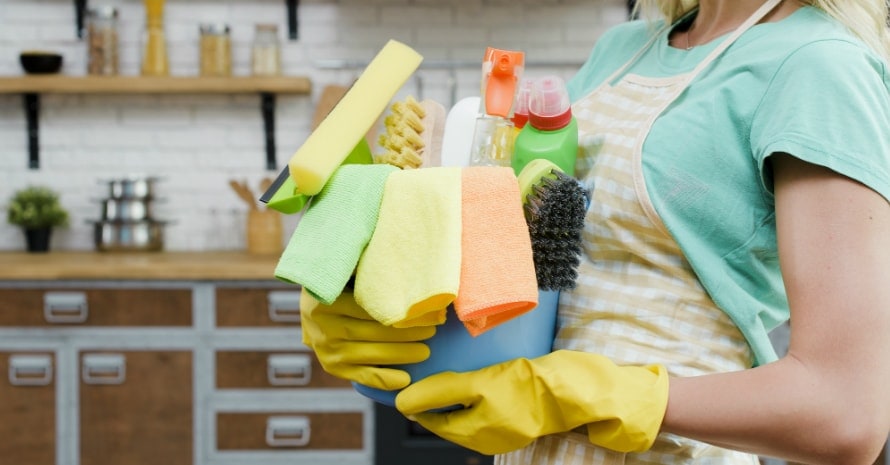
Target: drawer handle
[287,431]
[104,369]
[30,370]
[289,369]
[65,307]
[284,306]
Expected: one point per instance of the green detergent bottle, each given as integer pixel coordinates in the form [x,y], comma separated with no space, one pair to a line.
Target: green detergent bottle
[551,132]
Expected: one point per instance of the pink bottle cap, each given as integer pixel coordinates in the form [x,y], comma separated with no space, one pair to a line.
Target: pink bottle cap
[549,107]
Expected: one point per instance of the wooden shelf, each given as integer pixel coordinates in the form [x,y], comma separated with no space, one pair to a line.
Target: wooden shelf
[267,87]
[153,85]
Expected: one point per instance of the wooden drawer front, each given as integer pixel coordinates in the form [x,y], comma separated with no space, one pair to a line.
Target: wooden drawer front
[239,307]
[95,307]
[288,370]
[289,431]
[136,407]
[27,407]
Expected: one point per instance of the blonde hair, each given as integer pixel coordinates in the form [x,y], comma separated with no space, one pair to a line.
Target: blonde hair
[866,19]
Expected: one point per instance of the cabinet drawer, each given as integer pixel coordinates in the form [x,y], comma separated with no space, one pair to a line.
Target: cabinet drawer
[289,431]
[240,307]
[256,370]
[27,432]
[95,307]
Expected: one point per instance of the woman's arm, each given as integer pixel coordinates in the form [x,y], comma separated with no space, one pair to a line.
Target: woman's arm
[828,400]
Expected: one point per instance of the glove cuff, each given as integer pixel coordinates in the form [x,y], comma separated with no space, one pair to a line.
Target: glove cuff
[638,412]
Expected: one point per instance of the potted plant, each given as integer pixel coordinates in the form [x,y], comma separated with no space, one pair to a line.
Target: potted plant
[37,211]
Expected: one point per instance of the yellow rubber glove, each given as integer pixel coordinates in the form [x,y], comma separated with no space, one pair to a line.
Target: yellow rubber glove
[350,344]
[510,404]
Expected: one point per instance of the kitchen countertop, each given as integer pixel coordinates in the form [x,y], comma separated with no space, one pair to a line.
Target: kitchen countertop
[224,265]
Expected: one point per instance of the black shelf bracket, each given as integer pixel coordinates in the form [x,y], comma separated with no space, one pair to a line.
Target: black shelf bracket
[31,103]
[80,8]
[268,108]
[293,25]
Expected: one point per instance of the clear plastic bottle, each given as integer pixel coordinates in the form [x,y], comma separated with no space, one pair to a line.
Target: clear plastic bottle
[154,54]
[266,51]
[552,131]
[216,50]
[102,41]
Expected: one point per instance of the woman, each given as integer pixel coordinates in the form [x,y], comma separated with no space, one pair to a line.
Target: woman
[743,136]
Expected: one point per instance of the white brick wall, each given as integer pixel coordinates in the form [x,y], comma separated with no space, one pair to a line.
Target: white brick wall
[197,143]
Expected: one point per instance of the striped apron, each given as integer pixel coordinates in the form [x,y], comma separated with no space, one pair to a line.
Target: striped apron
[637,301]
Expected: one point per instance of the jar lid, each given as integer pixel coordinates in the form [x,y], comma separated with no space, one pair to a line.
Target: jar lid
[214,28]
[270,27]
[104,11]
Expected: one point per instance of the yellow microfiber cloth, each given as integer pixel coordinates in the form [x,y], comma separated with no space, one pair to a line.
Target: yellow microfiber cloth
[497,277]
[410,271]
[330,237]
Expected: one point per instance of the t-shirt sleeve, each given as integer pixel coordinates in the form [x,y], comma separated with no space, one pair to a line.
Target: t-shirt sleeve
[828,104]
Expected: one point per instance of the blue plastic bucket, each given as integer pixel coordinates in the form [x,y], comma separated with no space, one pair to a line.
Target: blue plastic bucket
[454,349]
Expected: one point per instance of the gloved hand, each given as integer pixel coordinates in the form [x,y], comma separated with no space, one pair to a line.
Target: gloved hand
[510,404]
[350,344]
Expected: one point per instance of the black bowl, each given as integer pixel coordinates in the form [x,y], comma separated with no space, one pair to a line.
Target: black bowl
[40,62]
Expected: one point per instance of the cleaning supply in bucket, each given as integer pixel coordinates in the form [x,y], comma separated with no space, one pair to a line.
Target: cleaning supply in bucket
[497,273]
[457,142]
[520,107]
[328,241]
[493,135]
[413,134]
[552,131]
[554,205]
[282,194]
[410,270]
[337,135]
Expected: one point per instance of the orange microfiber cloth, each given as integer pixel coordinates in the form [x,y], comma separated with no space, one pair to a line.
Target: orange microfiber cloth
[497,272]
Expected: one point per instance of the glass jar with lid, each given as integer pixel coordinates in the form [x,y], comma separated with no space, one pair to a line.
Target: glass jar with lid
[266,52]
[102,41]
[216,50]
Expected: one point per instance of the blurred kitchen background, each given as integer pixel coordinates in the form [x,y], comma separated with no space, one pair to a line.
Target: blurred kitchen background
[196,143]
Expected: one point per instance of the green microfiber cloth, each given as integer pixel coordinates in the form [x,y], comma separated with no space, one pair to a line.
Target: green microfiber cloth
[330,237]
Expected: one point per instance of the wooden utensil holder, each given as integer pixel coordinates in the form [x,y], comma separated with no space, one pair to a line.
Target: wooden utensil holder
[264,232]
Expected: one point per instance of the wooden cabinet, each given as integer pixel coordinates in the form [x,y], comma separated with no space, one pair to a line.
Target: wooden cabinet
[136,407]
[27,407]
[175,372]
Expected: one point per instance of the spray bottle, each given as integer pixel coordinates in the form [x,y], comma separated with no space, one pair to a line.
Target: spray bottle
[520,106]
[552,131]
[493,133]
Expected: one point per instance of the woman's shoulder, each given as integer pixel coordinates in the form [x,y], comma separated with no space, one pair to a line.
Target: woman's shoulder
[809,31]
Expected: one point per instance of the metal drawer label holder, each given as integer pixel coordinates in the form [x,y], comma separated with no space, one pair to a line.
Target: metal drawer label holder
[289,431]
[289,369]
[65,307]
[30,370]
[103,369]
[284,306]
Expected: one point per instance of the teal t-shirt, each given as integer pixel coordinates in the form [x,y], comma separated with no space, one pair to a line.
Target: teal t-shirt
[803,86]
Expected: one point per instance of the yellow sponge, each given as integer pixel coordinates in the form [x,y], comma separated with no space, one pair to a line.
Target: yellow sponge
[335,137]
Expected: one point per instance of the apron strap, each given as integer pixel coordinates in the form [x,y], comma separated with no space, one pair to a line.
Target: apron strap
[751,21]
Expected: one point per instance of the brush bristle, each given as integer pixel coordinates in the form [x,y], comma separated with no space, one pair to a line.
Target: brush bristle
[554,213]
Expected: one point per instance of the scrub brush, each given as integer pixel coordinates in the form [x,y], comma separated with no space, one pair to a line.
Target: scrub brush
[413,134]
[554,205]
